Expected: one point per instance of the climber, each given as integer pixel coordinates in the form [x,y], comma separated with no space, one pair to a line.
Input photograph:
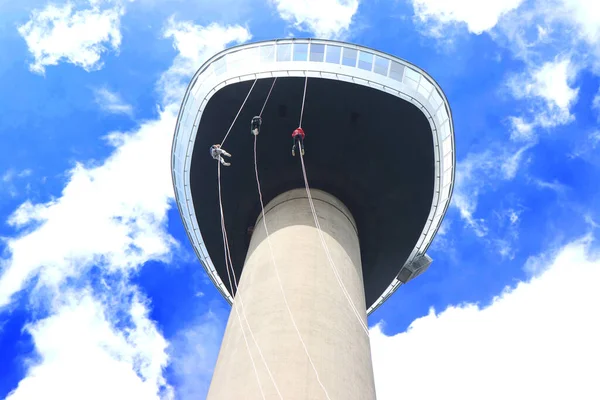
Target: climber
[217,153]
[255,125]
[298,135]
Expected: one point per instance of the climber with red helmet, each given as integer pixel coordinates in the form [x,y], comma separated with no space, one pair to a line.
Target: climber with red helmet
[298,135]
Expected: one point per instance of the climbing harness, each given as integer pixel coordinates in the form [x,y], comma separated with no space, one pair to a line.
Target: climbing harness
[217,153]
[255,125]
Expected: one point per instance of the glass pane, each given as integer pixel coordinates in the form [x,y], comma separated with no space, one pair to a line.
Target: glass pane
[442,115]
[267,53]
[317,52]
[436,100]
[445,130]
[412,74]
[220,66]
[396,71]
[381,65]
[284,52]
[333,54]
[447,162]
[445,193]
[447,146]
[300,51]
[365,61]
[410,83]
[349,58]
[447,176]
[425,88]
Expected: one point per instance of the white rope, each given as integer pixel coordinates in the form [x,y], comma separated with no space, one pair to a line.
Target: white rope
[229,264]
[287,306]
[226,250]
[244,312]
[238,113]
[267,99]
[327,253]
[303,98]
[318,226]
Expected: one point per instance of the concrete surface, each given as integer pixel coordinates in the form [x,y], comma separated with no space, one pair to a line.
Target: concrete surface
[335,340]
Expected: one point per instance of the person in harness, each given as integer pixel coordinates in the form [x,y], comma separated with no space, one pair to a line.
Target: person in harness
[217,153]
[255,125]
[298,135]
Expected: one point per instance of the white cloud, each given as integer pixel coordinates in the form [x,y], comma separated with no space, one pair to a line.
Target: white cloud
[112,102]
[325,18]
[521,130]
[60,33]
[548,88]
[479,16]
[536,340]
[596,103]
[194,350]
[110,216]
[83,356]
[113,215]
[194,45]
[476,173]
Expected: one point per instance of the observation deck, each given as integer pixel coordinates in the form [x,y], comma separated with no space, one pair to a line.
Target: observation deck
[379,137]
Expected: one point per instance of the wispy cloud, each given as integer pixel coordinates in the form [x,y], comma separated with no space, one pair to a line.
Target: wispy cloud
[61,33]
[112,102]
[325,18]
[478,16]
[549,94]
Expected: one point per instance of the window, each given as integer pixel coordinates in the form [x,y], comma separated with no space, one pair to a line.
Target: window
[381,65]
[397,71]
[333,54]
[284,52]
[365,61]
[317,52]
[300,51]
[349,57]
[220,66]
[267,53]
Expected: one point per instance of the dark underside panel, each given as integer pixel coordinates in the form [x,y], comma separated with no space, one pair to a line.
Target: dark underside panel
[370,149]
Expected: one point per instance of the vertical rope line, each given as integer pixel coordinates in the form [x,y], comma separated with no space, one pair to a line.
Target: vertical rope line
[287,306]
[267,99]
[303,99]
[226,250]
[327,253]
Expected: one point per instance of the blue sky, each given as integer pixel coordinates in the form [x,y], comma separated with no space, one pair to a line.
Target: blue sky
[101,295]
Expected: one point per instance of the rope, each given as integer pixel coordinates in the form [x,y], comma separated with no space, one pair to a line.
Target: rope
[267,99]
[238,113]
[327,253]
[318,226]
[226,250]
[287,306]
[303,99]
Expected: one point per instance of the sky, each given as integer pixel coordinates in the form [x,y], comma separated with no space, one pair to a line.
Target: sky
[101,294]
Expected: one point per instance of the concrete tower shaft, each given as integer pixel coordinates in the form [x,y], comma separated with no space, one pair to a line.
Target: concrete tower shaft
[334,338]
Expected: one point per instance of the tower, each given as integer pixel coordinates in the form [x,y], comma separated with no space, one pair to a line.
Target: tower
[318,241]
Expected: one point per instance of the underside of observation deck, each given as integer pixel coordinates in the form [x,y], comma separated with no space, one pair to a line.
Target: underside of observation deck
[370,149]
